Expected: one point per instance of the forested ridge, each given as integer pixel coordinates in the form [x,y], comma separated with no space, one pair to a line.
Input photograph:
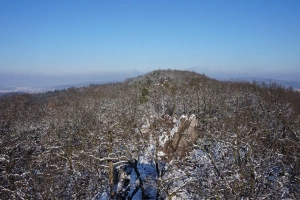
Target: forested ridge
[168,134]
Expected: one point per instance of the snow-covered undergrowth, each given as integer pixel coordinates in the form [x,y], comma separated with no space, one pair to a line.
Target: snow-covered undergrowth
[130,141]
[162,175]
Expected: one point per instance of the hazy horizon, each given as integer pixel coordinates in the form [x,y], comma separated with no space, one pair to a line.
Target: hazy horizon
[42,80]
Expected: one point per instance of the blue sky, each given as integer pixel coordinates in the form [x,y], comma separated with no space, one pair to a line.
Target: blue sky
[216,37]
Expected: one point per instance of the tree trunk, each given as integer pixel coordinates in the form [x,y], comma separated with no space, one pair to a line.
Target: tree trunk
[111,166]
[111,179]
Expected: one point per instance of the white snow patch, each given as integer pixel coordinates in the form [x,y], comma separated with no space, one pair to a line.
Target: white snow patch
[174,130]
[104,196]
[192,116]
[160,153]
[163,139]
[174,120]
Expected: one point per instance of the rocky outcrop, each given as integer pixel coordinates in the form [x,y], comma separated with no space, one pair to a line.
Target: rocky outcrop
[182,136]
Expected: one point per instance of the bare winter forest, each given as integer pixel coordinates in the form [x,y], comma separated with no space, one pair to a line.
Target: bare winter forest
[165,135]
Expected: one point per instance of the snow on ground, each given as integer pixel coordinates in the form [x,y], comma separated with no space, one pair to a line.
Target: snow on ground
[163,139]
[147,169]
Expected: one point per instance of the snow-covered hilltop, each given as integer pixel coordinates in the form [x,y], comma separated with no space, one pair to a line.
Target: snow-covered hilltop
[166,135]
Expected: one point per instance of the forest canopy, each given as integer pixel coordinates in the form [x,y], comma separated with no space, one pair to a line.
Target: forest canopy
[168,134]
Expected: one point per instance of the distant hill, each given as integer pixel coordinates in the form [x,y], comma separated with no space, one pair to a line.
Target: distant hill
[78,85]
[21,90]
[10,93]
[293,84]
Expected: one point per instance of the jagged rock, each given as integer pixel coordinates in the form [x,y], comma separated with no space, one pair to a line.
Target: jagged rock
[182,137]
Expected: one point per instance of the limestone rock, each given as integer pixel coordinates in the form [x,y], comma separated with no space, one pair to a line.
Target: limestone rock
[183,136]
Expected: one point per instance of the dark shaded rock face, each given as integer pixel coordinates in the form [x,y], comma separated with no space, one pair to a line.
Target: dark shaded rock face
[184,137]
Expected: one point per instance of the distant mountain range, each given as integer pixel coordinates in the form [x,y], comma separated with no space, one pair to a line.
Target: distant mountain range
[293,84]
